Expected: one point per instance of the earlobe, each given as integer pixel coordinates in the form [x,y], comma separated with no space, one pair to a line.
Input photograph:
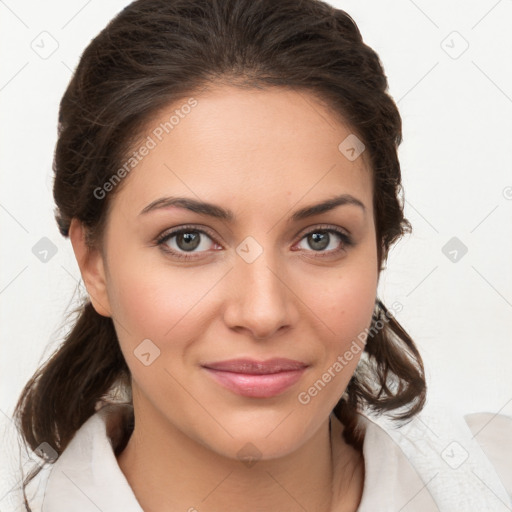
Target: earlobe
[90,262]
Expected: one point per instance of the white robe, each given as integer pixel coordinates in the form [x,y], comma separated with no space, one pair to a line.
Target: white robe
[437,462]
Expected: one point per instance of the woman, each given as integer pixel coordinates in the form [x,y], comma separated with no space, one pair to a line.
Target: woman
[227,174]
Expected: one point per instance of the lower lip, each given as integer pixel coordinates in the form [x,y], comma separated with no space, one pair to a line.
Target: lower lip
[257,386]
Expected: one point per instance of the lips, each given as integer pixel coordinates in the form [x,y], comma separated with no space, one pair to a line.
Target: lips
[256,379]
[252,367]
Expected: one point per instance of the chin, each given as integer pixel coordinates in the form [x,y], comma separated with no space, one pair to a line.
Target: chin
[259,436]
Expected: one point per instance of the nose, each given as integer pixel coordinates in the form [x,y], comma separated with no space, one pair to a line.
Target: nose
[261,300]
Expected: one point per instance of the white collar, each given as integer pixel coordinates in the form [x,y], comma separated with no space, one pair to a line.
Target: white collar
[405,469]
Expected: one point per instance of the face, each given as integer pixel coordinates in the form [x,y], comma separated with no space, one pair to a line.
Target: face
[189,289]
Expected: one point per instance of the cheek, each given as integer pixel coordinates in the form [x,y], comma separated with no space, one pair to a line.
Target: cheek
[355,293]
[160,305]
[164,303]
[343,301]
[148,300]
[347,312]
[353,306]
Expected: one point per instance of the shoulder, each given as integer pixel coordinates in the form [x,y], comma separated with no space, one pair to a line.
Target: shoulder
[86,475]
[459,469]
[494,435]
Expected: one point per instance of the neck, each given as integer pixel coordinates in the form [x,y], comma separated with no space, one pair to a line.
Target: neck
[168,470]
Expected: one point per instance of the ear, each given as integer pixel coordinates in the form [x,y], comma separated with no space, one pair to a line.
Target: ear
[90,261]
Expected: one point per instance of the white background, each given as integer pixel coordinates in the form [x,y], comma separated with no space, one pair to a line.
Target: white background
[457,174]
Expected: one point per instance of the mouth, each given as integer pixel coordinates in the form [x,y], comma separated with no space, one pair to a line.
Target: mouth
[256,379]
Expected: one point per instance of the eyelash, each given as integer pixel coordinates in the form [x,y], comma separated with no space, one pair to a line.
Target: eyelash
[346,240]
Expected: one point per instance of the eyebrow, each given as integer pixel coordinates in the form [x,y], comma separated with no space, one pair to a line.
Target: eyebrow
[218,212]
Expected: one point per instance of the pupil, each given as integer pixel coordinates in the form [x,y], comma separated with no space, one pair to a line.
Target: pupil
[191,241]
[319,240]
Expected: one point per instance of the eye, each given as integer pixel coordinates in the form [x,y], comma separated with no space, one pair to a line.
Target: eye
[326,241]
[185,241]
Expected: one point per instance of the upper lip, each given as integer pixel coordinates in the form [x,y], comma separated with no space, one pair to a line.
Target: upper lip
[254,367]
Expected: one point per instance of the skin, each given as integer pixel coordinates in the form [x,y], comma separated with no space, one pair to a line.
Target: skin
[263,154]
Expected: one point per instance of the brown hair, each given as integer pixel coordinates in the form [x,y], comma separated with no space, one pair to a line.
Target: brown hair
[155,52]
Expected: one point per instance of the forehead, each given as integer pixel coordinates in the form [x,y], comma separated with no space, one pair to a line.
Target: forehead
[234,145]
